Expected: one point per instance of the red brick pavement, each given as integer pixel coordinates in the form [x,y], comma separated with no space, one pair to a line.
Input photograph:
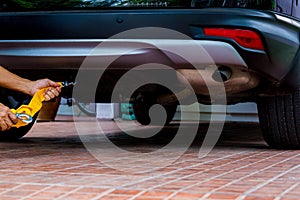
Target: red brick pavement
[52,163]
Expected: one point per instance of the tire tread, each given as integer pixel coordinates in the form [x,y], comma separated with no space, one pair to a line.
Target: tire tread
[280,120]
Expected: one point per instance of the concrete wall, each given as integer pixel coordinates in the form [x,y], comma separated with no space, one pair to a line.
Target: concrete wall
[246,112]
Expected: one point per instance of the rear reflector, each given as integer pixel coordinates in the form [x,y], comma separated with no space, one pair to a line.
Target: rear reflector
[245,38]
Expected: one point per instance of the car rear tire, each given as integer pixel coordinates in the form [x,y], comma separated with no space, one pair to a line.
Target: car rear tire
[142,105]
[14,100]
[280,120]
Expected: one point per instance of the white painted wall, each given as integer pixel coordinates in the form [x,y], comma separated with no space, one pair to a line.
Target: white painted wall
[240,112]
[246,112]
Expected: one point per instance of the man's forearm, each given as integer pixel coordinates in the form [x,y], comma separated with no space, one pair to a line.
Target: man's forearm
[14,82]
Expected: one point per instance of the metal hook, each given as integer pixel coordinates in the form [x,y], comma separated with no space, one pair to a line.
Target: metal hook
[67,84]
[24,117]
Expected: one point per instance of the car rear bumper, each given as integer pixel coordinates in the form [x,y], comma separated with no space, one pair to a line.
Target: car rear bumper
[70,54]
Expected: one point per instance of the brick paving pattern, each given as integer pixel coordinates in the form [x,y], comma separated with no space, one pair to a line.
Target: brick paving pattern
[52,163]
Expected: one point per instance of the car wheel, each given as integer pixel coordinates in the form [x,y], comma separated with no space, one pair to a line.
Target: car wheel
[280,120]
[14,100]
[142,105]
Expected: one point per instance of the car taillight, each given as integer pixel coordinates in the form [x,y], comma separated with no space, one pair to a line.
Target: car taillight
[245,38]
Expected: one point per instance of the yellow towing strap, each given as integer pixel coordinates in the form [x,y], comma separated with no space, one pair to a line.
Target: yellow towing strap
[28,111]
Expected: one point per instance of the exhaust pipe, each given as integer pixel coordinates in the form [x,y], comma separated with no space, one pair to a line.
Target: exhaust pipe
[222,74]
[234,80]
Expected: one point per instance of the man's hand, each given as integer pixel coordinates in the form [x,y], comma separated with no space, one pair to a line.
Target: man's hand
[52,92]
[7,118]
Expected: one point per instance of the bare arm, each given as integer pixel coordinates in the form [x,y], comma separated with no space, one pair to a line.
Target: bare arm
[11,81]
[14,82]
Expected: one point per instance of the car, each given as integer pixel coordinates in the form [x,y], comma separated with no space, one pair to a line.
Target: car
[255,51]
